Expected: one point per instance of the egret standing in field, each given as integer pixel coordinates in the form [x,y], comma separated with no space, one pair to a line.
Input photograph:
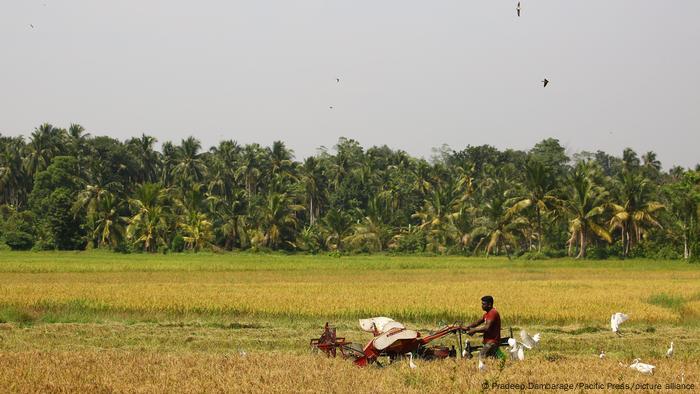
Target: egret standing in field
[410,361]
[646,369]
[482,366]
[602,354]
[516,351]
[669,352]
[615,320]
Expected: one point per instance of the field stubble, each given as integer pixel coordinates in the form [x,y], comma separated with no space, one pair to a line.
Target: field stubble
[178,323]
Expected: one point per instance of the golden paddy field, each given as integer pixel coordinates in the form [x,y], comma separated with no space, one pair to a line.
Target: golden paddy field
[103,322]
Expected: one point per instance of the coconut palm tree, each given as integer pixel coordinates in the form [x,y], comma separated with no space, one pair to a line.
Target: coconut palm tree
[231,219]
[147,157]
[251,167]
[368,233]
[334,226]
[189,167]
[148,227]
[197,231]
[683,199]
[312,181]
[222,180]
[538,194]
[109,224]
[584,204]
[496,228]
[277,219]
[13,179]
[635,212]
[44,145]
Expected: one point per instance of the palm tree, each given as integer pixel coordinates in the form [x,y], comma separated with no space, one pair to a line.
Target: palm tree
[280,157]
[251,167]
[222,180]
[311,180]
[148,158]
[44,145]
[369,233]
[197,231]
[13,180]
[168,163]
[683,197]
[277,219]
[585,205]
[110,225]
[334,225]
[539,194]
[189,165]
[635,211]
[496,228]
[148,227]
[231,219]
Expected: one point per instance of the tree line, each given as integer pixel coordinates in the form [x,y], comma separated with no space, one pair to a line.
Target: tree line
[65,189]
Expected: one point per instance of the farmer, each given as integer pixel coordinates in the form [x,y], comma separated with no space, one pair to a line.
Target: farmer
[491,328]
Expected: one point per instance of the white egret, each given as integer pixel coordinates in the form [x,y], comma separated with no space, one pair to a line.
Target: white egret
[466,345]
[615,320]
[516,352]
[529,341]
[669,352]
[482,366]
[410,361]
[602,354]
[646,369]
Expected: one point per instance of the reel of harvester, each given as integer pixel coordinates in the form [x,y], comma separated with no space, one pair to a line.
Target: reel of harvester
[330,344]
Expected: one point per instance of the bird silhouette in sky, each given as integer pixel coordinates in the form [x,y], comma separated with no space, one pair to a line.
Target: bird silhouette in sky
[518,8]
[545,82]
[337,80]
[30,25]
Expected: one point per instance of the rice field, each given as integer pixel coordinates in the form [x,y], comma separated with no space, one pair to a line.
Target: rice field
[104,322]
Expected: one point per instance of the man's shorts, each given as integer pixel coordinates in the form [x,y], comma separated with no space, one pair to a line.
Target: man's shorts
[489,349]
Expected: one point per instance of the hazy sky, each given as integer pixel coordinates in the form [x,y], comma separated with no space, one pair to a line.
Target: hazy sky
[414,74]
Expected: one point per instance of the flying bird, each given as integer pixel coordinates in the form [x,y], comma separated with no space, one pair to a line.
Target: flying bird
[669,352]
[518,8]
[410,361]
[330,107]
[646,369]
[30,25]
[529,341]
[615,321]
[337,80]
[545,82]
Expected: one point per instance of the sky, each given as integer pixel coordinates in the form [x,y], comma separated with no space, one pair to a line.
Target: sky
[414,75]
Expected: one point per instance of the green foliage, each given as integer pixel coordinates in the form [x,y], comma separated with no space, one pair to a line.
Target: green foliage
[18,240]
[65,189]
[412,242]
[178,244]
[51,200]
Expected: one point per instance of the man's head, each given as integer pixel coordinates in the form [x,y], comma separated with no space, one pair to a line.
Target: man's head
[486,303]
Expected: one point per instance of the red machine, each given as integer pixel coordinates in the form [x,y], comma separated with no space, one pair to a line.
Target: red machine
[392,339]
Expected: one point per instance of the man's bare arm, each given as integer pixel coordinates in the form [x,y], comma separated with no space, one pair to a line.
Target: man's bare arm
[483,328]
[476,323]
